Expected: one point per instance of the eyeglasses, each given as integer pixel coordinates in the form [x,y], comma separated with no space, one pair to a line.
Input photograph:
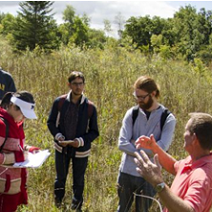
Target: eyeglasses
[77,83]
[140,97]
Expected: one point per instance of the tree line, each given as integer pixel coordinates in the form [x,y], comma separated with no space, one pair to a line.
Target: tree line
[188,34]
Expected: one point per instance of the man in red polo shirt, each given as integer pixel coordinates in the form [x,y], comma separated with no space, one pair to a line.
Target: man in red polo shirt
[191,189]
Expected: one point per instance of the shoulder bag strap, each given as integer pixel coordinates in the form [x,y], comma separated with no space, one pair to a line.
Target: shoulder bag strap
[7,132]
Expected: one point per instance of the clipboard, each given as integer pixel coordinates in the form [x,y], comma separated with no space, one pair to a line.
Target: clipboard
[34,160]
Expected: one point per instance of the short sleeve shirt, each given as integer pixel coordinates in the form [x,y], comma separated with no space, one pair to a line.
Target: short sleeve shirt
[193,183]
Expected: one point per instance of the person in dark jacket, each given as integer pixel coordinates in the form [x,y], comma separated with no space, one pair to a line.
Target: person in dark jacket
[6,83]
[73,123]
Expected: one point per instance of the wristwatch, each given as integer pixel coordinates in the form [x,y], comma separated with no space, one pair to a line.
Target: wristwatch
[159,187]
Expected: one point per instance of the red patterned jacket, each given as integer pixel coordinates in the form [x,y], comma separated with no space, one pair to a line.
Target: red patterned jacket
[12,180]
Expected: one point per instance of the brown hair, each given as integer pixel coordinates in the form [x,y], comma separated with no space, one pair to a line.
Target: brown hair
[74,75]
[147,84]
[201,125]
[23,95]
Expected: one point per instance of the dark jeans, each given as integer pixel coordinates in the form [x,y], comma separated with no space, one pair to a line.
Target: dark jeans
[79,165]
[127,186]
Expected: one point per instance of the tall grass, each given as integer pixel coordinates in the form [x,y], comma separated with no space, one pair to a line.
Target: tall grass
[110,75]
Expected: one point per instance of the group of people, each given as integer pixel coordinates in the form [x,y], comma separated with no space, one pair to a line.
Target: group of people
[72,122]
[14,108]
[145,140]
[145,136]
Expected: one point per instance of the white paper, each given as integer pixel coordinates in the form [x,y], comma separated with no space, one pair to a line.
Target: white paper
[66,142]
[34,160]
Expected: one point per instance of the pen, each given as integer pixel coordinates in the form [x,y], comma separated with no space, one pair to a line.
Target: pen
[20,147]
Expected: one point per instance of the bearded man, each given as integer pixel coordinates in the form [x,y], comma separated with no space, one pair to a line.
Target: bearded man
[146,118]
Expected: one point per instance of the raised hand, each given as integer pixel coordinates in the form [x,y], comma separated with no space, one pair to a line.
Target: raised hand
[151,171]
[145,142]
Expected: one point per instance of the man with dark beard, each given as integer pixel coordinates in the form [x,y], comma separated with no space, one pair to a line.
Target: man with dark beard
[147,122]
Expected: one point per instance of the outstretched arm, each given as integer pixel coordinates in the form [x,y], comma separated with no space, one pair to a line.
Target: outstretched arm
[152,173]
[166,160]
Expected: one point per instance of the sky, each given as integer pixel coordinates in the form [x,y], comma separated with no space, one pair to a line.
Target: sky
[98,11]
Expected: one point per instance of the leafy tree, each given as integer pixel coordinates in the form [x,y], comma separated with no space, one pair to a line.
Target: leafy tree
[86,20]
[188,33]
[35,26]
[80,35]
[204,23]
[166,52]
[75,29]
[64,33]
[68,17]
[141,30]
[8,24]
[205,52]
[2,16]
[156,41]
[96,38]
[188,36]
[69,14]
[132,29]
[107,27]
[168,33]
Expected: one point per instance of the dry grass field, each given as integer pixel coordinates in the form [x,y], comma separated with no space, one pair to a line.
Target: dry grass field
[110,75]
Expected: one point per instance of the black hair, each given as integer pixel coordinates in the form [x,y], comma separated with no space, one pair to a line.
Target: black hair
[23,95]
[6,100]
[74,75]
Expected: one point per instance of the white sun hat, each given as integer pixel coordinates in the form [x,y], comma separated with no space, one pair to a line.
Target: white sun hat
[27,108]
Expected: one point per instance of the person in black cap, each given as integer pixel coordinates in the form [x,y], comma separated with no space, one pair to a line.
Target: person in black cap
[6,83]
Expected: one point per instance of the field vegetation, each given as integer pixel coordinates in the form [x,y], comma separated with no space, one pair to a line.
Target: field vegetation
[110,74]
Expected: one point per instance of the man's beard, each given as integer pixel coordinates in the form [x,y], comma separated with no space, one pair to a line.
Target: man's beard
[146,106]
[77,92]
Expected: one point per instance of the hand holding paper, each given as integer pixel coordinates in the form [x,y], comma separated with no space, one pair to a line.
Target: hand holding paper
[66,142]
[34,160]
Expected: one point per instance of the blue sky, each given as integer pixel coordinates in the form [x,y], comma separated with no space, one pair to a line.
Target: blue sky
[98,11]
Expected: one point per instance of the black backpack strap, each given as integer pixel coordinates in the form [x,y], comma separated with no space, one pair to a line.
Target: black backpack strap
[164,115]
[134,114]
[90,108]
[59,107]
[61,101]
[6,133]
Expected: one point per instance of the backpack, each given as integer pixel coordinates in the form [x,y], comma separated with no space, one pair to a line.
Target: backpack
[63,98]
[164,115]
[6,133]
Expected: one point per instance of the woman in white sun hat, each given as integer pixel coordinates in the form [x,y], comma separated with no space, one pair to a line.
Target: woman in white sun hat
[15,107]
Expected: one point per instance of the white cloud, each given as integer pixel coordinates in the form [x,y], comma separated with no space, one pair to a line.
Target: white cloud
[98,11]
[9,7]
